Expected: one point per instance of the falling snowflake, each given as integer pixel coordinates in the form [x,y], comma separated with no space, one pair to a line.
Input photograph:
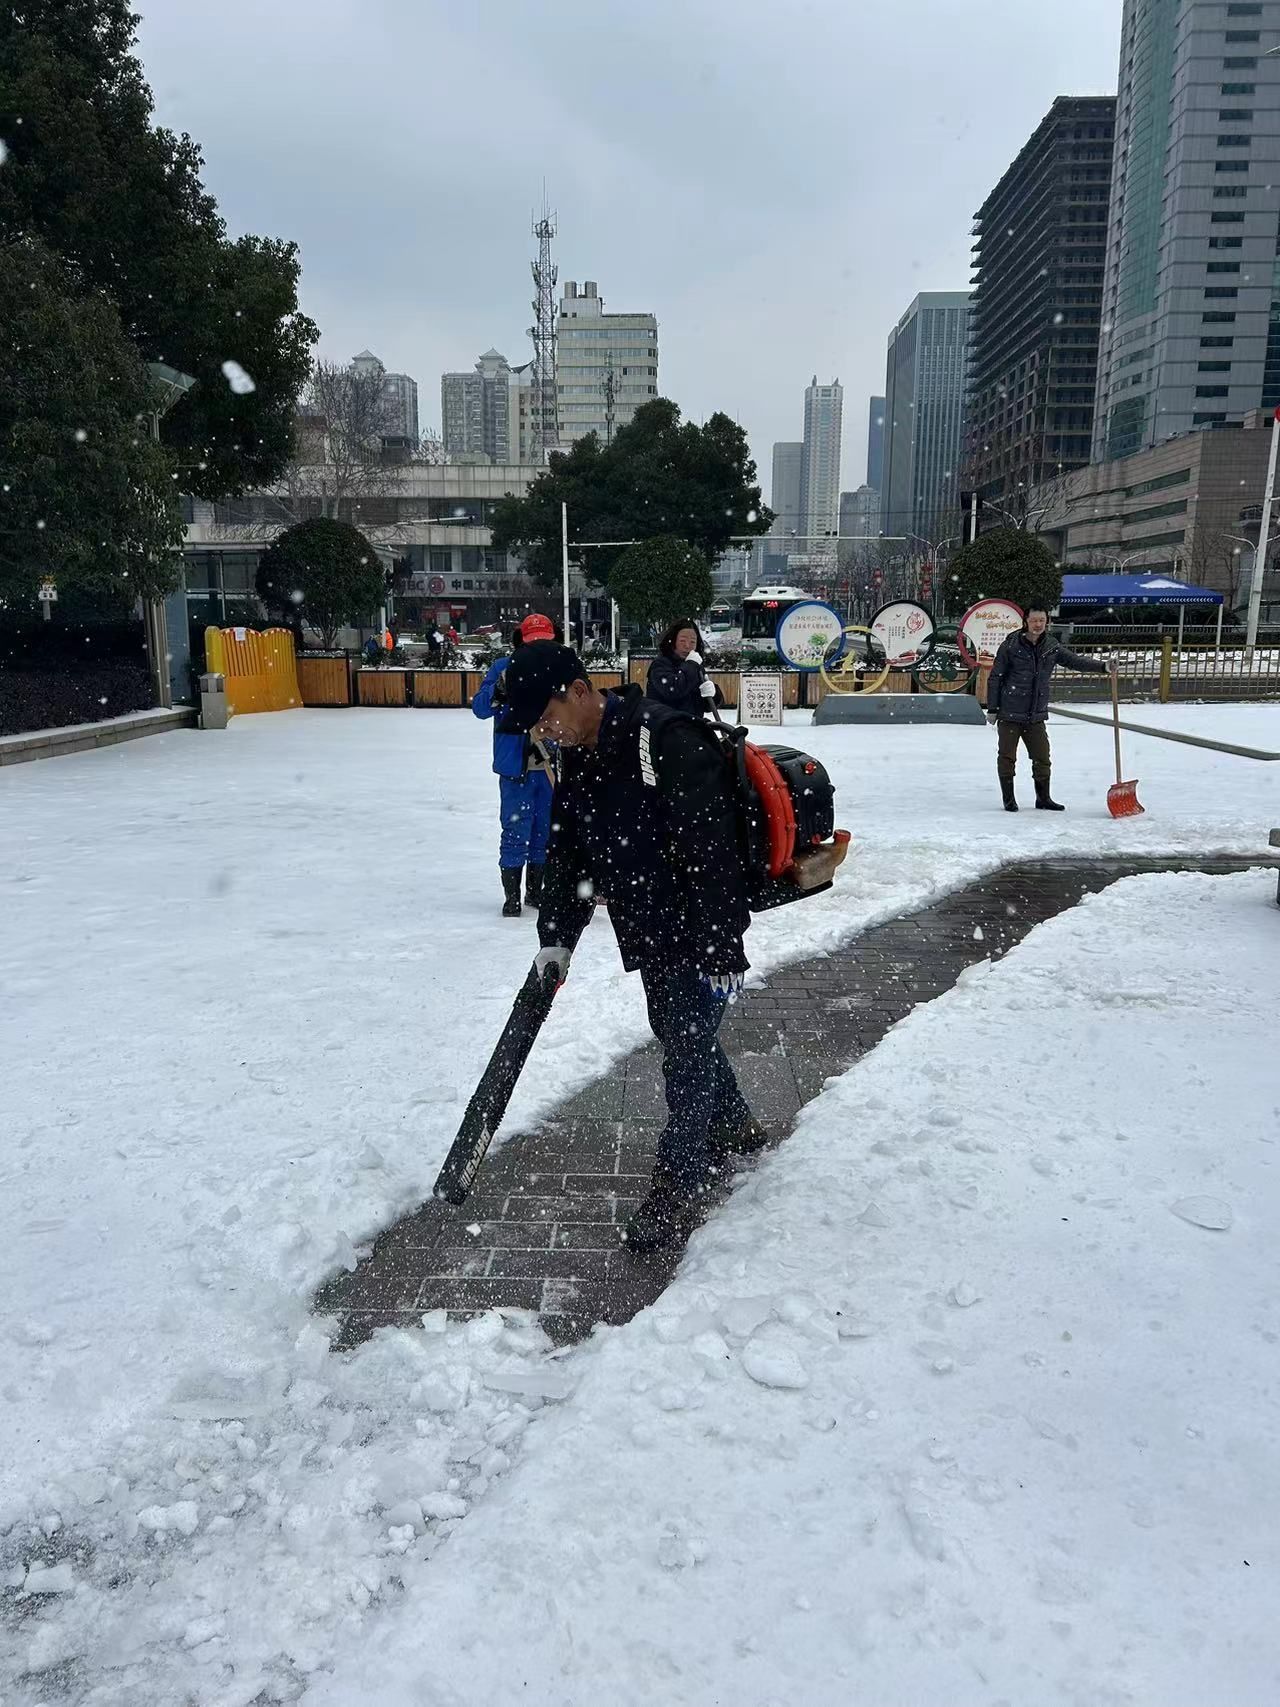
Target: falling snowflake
[1058,318]
[237,379]
[4,153]
[81,435]
[753,515]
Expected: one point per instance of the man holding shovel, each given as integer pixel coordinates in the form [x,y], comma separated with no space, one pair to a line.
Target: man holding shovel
[1018,701]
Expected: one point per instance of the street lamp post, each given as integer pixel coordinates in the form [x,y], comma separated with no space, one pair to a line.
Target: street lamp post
[1264,539]
[168,385]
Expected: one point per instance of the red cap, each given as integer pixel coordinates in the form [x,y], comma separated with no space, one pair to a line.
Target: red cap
[537,627]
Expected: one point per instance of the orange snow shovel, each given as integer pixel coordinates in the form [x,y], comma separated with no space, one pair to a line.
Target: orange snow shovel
[1122,797]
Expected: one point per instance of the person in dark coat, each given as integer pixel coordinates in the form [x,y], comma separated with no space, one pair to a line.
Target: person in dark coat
[1018,701]
[677,677]
[645,816]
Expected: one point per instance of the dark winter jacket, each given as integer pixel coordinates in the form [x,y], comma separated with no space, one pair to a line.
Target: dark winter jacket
[508,750]
[678,683]
[648,820]
[1018,686]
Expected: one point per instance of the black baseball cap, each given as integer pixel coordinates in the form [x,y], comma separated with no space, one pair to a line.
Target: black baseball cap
[540,669]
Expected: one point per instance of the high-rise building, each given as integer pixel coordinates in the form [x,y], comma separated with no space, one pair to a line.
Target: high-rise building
[480,410]
[606,364]
[820,465]
[784,494]
[399,397]
[1191,302]
[860,514]
[1041,238]
[924,412]
[875,444]
[859,525]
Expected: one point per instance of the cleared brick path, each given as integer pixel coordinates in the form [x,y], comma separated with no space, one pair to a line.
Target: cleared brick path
[541,1229]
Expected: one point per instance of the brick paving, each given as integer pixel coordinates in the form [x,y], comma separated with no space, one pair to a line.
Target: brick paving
[541,1229]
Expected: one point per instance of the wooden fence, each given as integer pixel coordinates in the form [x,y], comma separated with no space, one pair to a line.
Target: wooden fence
[259,668]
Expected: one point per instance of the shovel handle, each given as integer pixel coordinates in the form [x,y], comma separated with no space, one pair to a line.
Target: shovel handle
[1115,717]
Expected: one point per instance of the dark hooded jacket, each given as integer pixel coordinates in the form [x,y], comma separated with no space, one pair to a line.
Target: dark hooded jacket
[648,819]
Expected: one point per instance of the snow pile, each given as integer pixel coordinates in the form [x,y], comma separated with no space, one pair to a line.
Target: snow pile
[234,1542]
[1013,1440]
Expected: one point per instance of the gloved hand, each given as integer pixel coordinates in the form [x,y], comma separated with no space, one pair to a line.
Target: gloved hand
[707,690]
[723,985]
[993,717]
[693,658]
[554,956]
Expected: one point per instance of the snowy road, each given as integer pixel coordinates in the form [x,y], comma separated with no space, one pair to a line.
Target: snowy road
[248,983]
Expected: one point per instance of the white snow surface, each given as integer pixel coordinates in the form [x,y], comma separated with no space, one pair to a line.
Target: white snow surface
[249,980]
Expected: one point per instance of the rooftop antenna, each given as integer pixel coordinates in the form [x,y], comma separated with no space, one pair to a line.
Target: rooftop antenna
[545,422]
[609,386]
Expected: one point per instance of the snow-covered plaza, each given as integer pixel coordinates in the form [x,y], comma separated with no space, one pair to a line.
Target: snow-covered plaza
[968,1394]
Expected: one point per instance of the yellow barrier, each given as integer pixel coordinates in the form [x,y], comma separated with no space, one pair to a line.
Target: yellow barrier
[261,671]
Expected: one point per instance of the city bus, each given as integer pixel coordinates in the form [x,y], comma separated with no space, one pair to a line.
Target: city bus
[762,610]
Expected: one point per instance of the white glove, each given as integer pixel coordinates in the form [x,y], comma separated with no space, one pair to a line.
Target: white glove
[693,658]
[723,985]
[708,690]
[554,956]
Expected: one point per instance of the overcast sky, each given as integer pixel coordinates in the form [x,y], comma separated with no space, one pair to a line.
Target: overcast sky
[775,182]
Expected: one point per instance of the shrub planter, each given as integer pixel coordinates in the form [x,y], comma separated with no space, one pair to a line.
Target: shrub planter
[381,687]
[324,680]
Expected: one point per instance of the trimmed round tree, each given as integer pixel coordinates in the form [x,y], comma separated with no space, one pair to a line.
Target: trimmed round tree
[1006,563]
[660,580]
[324,571]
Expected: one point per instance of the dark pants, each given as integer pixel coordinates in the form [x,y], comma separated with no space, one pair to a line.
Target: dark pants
[1035,736]
[685,1016]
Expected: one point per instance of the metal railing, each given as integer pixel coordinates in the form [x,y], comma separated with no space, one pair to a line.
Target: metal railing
[1162,670]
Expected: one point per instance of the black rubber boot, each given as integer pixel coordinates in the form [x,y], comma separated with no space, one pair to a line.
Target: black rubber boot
[1044,800]
[1006,788]
[741,1138]
[511,875]
[664,1216]
[533,885]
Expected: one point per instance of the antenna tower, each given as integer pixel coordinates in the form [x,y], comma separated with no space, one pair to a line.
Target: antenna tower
[609,386]
[546,432]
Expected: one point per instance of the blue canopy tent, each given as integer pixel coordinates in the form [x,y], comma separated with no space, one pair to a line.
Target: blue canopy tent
[1094,592]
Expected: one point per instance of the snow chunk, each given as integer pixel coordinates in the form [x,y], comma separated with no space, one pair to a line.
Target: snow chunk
[1209,1212]
[962,1295]
[531,1383]
[183,1518]
[742,1316]
[49,1579]
[874,1216]
[773,1363]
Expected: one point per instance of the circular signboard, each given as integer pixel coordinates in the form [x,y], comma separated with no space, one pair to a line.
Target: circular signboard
[982,628]
[904,632]
[435,584]
[806,634]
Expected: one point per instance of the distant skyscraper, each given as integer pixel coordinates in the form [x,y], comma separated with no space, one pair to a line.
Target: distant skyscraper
[859,523]
[784,495]
[1037,302]
[924,411]
[477,410]
[820,467]
[875,444]
[1191,303]
[606,364]
[400,397]
[859,514]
